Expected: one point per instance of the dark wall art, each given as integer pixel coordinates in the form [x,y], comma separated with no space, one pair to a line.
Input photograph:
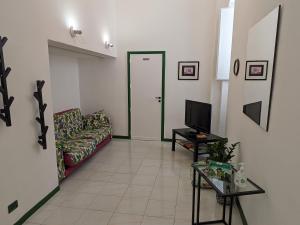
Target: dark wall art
[188,70]
[256,70]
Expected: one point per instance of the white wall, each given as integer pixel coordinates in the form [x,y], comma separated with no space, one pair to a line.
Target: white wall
[64,72]
[96,19]
[27,172]
[186,30]
[101,88]
[272,158]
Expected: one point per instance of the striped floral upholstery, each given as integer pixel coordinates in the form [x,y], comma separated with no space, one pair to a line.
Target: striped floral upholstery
[68,124]
[96,121]
[77,150]
[77,136]
[97,134]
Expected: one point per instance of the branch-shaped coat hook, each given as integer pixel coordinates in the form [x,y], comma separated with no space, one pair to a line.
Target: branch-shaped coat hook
[42,139]
[4,72]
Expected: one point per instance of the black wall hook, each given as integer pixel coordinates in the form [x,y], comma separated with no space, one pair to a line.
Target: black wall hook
[42,139]
[4,72]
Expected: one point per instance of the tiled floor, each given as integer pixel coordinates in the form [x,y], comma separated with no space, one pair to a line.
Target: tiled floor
[129,183]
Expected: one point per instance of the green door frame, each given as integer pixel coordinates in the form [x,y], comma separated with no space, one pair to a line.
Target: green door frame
[163,53]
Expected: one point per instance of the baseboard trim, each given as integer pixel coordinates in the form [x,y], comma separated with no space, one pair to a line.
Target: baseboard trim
[167,140]
[120,137]
[37,206]
[128,138]
[243,217]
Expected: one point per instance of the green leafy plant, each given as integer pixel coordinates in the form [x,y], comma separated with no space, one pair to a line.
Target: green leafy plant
[220,152]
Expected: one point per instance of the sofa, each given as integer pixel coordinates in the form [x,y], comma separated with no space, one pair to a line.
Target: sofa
[78,138]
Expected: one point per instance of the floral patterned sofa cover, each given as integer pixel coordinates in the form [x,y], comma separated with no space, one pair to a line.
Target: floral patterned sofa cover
[78,137]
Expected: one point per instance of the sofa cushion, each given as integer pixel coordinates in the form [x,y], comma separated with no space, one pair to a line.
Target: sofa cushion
[67,124]
[60,164]
[60,128]
[96,120]
[76,150]
[97,134]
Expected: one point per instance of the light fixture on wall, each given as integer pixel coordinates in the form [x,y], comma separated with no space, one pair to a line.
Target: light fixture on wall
[108,45]
[74,32]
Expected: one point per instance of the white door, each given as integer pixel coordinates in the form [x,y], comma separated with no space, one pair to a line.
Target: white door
[146,94]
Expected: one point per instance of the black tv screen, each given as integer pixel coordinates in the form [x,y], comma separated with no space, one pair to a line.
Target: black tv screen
[198,116]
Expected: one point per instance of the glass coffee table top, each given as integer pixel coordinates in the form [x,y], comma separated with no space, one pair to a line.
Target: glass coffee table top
[228,188]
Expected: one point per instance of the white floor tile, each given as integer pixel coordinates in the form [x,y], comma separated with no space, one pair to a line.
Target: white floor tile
[125,219]
[148,170]
[101,176]
[135,206]
[183,222]
[161,209]
[78,200]
[94,218]
[105,203]
[164,194]
[157,221]
[91,187]
[114,189]
[63,216]
[136,191]
[130,183]
[163,181]
[42,214]
[122,178]
[71,185]
[145,180]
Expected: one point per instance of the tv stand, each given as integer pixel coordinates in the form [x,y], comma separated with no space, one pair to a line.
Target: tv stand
[192,132]
[191,135]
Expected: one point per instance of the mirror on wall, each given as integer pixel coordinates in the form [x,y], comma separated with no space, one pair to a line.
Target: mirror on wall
[261,53]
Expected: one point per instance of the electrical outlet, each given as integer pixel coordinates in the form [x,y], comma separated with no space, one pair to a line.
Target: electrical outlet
[13,206]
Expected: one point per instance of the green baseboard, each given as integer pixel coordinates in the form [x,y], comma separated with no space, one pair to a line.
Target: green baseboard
[243,217]
[167,140]
[121,137]
[128,138]
[37,206]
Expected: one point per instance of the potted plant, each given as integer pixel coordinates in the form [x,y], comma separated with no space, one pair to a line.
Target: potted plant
[221,152]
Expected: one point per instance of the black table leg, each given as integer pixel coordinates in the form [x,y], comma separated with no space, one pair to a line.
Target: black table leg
[194,196]
[230,212]
[224,209]
[173,140]
[198,198]
[195,160]
[196,152]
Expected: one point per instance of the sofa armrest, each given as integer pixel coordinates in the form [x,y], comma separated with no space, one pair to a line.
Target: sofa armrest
[60,160]
[96,120]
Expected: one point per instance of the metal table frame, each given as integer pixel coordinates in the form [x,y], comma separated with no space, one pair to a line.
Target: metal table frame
[232,196]
[185,133]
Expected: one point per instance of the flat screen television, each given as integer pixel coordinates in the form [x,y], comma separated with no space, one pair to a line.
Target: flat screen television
[198,116]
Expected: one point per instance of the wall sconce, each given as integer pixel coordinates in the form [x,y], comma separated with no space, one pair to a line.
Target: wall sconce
[108,45]
[74,32]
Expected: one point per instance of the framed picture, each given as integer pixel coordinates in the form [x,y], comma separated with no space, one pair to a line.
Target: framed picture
[188,70]
[256,70]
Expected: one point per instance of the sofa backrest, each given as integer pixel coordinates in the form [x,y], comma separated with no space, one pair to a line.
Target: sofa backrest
[67,124]
[96,120]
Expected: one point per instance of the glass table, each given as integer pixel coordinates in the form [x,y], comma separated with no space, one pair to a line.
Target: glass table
[224,189]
